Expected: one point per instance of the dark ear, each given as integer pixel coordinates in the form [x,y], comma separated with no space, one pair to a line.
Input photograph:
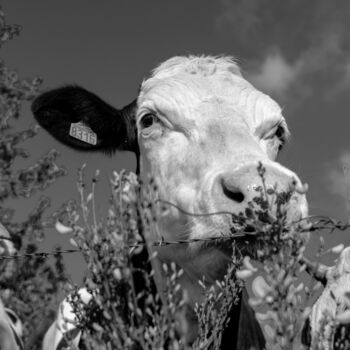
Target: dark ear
[81,120]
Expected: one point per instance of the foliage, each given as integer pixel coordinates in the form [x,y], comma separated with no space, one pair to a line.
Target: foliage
[126,312]
[120,316]
[28,286]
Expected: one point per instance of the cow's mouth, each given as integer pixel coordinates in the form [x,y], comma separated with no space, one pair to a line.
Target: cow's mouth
[242,242]
[224,244]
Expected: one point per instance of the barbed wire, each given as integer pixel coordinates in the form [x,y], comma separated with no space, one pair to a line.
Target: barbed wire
[160,243]
[323,223]
[43,255]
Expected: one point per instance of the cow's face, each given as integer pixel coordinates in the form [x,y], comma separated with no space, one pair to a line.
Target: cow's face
[202,131]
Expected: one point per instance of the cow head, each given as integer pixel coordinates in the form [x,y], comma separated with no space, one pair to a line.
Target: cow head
[201,130]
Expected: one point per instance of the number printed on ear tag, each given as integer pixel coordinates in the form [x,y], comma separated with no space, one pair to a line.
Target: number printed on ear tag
[83,133]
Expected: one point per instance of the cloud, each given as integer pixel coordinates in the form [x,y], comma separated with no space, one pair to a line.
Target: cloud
[343,83]
[294,46]
[275,75]
[338,179]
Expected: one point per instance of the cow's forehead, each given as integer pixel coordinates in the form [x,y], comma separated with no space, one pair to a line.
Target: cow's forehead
[182,83]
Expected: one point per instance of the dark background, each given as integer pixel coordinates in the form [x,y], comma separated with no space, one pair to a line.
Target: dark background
[297,51]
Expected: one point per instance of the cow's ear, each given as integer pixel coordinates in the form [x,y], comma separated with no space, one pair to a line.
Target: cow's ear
[81,120]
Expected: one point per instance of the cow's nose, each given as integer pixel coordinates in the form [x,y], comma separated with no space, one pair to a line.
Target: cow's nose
[242,185]
[231,190]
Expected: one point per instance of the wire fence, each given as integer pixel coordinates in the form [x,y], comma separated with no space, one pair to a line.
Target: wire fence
[321,223]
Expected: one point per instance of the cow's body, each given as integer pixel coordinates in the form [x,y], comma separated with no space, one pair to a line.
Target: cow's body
[200,130]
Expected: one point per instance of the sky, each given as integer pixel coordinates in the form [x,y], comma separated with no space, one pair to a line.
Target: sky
[295,50]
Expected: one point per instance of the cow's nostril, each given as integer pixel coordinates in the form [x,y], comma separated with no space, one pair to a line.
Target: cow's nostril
[233,193]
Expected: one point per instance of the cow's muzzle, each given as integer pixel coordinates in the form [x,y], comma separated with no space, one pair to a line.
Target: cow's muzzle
[249,185]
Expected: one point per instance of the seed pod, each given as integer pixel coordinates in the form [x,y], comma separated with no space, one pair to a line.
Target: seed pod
[248,265]
[62,228]
[244,274]
[117,274]
[97,327]
[317,286]
[302,268]
[73,242]
[259,287]
[84,295]
[201,284]
[89,197]
[337,249]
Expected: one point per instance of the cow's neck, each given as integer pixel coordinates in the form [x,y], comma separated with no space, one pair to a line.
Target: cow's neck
[243,332]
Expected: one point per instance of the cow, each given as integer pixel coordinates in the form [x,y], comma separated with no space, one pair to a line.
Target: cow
[11,328]
[200,129]
[7,334]
[328,324]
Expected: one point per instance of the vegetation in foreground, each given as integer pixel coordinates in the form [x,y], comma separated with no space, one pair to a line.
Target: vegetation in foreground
[29,286]
[125,311]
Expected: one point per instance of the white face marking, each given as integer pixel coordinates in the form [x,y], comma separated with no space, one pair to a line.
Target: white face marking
[199,124]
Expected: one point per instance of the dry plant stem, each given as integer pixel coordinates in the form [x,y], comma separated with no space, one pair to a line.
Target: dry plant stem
[93,204]
[124,230]
[83,203]
[24,282]
[116,317]
[315,270]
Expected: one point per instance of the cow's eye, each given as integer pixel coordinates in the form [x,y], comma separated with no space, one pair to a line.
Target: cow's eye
[150,125]
[277,132]
[148,120]
[274,140]
[280,133]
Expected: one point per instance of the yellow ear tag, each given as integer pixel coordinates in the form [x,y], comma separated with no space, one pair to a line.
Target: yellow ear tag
[83,133]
